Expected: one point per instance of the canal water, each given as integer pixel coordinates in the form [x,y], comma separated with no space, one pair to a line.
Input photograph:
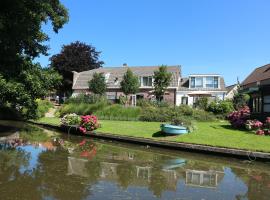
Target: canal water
[42,164]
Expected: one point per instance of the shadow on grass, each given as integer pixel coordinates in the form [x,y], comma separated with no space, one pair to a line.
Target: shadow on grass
[229,127]
[159,134]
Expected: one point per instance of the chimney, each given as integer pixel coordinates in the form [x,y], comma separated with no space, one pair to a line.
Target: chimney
[125,65]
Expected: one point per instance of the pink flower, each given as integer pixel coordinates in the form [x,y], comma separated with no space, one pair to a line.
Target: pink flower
[82,129]
[260,132]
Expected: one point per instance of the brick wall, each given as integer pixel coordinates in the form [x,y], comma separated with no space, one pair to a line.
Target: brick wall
[170,95]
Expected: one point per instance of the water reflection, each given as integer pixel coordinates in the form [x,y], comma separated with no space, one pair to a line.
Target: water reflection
[52,166]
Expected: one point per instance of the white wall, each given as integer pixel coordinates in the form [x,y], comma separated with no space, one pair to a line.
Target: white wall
[179,95]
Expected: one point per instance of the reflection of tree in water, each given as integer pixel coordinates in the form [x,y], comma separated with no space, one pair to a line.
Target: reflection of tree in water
[158,183]
[15,183]
[258,183]
[53,173]
[126,173]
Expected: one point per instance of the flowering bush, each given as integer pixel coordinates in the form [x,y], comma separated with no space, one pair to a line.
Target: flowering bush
[70,119]
[267,123]
[238,118]
[88,123]
[253,124]
[259,127]
[260,132]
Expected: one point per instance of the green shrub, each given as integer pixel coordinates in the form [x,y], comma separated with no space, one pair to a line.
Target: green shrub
[102,110]
[185,110]
[148,103]
[170,113]
[144,103]
[186,122]
[240,100]
[156,114]
[81,108]
[221,107]
[43,107]
[119,112]
[201,115]
[70,119]
[202,103]
[123,100]
[86,98]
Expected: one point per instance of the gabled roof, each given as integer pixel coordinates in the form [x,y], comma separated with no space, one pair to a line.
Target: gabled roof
[259,74]
[114,75]
[231,87]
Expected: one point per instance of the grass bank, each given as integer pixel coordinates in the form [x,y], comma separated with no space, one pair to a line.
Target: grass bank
[218,134]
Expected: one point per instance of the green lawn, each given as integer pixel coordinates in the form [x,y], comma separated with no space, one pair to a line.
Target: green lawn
[209,133]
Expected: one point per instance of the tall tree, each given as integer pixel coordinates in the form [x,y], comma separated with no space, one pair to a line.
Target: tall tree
[130,83]
[162,79]
[97,84]
[78,57]
[22,39]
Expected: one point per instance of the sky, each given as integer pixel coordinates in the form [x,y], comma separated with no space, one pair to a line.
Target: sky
[227,37]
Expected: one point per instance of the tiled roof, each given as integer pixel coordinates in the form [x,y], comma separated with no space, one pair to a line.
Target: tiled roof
[115,74]
[259,74]
[184,86]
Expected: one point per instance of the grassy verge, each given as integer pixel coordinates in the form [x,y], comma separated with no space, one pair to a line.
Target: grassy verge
[214,134]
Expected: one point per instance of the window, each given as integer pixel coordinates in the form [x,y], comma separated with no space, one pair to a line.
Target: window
[257,104]
[147,81]
[192,82]
[266,103]
[184,100]
[215,82]
[211,82]
[111,96]
[199,82]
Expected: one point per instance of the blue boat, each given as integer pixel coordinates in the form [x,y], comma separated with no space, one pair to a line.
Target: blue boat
[173,129]
[174,163]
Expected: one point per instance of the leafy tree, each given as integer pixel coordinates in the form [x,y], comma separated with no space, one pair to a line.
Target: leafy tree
[22,39]
[98,84]
[162,79]
[240,100]
[78,57]
[202,103]
[130,83]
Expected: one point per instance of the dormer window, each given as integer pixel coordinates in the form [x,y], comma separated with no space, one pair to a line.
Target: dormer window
[211,82]
[199,82]
[196,82]
[204,82]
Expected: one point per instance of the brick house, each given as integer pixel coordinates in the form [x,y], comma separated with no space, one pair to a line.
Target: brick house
[257,85]
[113,77]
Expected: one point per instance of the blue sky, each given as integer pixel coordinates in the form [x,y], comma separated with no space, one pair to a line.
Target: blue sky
[229,37]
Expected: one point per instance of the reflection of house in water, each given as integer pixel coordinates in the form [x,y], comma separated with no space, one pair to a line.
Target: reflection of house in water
[10,137]
[77,166]
[125,156]
[199,178]
[143,173]
[115,166]
[108,170]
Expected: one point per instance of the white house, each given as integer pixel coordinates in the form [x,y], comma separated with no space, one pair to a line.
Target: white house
[200,85]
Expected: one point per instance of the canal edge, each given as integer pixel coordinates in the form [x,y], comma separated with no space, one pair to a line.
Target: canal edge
[198,148]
